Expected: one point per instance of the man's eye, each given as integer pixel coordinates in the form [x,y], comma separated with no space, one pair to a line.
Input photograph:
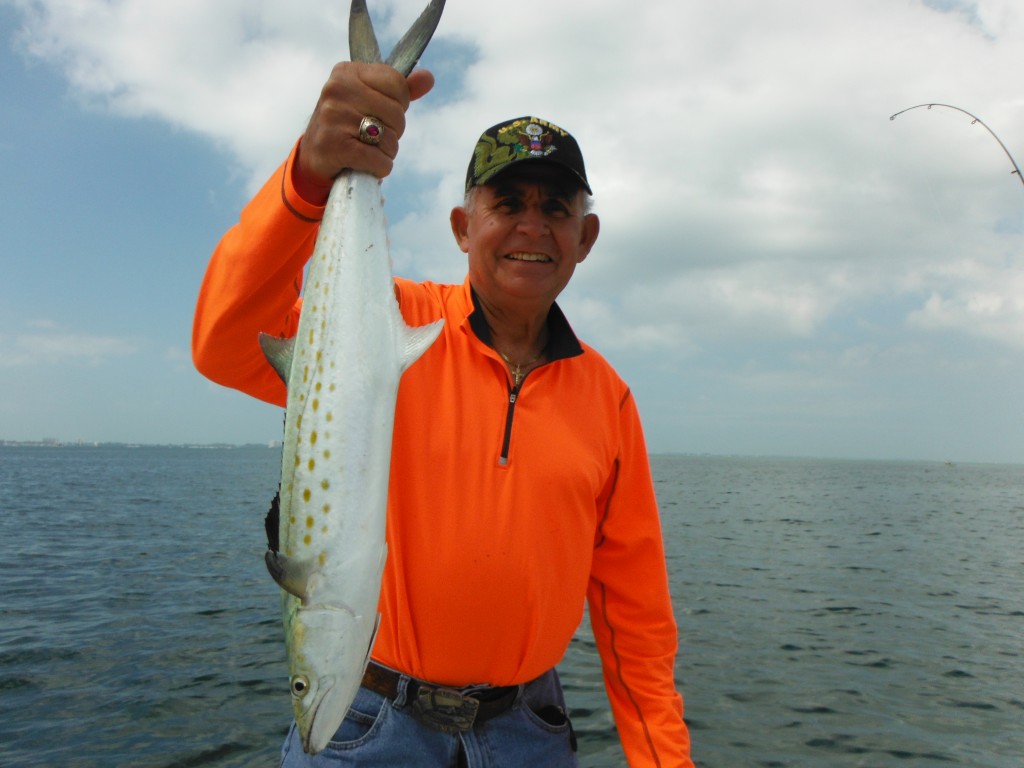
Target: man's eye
[556,209]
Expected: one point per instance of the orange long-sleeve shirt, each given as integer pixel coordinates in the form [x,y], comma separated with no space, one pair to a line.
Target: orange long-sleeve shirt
[506,510]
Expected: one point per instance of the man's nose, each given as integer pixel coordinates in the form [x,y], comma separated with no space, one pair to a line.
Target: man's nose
[532,222]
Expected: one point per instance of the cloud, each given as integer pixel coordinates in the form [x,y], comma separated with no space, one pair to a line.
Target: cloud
[988,304]
[45,343]
[749,181]
[205,67]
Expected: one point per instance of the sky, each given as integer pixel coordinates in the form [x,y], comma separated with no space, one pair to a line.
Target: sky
[781,270]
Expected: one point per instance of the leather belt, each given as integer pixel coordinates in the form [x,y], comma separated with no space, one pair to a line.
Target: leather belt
[446,709]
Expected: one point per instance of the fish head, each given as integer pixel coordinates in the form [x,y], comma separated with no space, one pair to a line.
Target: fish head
[328,650]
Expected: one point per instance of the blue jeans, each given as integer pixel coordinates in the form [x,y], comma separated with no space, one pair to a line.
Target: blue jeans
[381,733]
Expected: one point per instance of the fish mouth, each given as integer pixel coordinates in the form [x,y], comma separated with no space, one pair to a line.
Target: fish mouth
[311,728]
[525,256]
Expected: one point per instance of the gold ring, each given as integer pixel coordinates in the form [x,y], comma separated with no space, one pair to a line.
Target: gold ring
[370,130]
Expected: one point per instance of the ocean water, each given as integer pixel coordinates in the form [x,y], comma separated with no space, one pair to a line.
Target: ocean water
[832,613]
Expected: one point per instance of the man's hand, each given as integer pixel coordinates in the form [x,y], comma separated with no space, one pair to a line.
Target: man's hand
[331,142]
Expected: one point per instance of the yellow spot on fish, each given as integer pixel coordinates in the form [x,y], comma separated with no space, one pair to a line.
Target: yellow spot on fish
[312,438]
[319,386]
[298,460]
[306,494]
[327,508]
[323,530]
[305,374]
[311,336]
[316,404]
[307,540]
[330,416]
[309,521]
[327,454]
[323,558]
[312,464]
[325,485]
[291,520]
[331,388]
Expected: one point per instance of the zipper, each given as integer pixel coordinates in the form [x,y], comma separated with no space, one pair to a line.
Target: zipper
[513,395]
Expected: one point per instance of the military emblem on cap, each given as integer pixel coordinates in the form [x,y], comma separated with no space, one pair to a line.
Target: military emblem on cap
[525,138]
[536,141]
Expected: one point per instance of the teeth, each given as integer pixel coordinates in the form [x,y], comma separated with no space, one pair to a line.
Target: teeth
[528,257]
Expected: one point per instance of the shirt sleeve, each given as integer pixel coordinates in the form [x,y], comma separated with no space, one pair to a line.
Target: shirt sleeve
[631,611]
[252,286]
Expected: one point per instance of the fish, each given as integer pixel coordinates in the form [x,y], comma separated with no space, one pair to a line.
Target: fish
[342,371]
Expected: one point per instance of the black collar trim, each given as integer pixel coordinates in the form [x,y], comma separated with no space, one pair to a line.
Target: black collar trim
[562,342]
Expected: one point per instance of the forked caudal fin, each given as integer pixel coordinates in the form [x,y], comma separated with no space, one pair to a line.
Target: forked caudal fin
[362,42]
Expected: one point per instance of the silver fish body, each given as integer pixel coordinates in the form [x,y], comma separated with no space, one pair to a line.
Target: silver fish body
[342,370]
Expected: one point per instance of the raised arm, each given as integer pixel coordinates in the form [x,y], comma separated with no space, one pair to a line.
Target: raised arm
[254,277]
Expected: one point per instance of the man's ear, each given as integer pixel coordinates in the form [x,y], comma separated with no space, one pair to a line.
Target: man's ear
[588,235]
[460,227]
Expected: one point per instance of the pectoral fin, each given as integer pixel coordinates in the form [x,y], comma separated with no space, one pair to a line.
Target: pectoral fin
[293,576]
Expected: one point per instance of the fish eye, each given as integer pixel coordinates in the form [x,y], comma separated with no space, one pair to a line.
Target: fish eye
[300,686]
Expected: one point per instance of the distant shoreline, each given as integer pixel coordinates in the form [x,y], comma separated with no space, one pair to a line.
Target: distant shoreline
[276,445]
[54,443]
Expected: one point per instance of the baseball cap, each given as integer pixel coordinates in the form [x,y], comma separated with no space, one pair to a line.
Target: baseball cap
[524,139]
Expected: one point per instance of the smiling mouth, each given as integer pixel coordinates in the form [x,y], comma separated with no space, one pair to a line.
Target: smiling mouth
[533,257]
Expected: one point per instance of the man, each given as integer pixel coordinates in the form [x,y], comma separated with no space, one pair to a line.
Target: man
[519,478]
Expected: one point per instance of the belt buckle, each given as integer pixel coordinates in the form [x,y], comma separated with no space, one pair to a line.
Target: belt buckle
[445,709]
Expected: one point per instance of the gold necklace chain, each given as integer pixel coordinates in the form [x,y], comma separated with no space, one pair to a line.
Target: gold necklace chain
[518,374]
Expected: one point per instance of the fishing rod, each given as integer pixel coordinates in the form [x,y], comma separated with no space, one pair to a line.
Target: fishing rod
[974,119]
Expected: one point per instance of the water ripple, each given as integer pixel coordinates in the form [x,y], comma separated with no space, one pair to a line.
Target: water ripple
[840,614]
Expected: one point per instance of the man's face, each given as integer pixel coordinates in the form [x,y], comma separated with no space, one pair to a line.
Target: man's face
[525,232]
